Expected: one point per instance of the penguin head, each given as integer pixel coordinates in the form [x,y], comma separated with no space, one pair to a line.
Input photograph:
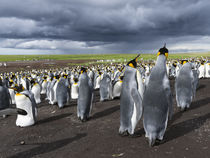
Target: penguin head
[174,64]
[32,82]
[184,62]
[75,79]
[10,82]
[83,69]
[163,51]
[121,78]
[133,63]
[20,88]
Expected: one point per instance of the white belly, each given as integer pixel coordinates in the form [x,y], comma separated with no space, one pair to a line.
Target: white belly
[117,89]
[74,91]
[12,95]
[36,91]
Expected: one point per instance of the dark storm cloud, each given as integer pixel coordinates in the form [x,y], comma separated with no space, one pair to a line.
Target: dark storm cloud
[112,25]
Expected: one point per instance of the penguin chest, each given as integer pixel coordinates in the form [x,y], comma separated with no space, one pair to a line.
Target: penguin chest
[207,70]
[98,80]
[44,87]
[23,102]
[117,89]
[54,90]
[23,82]
[201,71]
[36,91]
[12,95]
[74,91]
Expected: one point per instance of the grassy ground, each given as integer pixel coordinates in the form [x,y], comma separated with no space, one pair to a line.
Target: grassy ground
[116,57]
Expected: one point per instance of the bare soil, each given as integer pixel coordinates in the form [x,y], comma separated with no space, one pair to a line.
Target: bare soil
[14,66]
[58,133]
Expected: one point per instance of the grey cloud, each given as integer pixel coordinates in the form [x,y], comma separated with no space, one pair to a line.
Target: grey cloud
[111,25]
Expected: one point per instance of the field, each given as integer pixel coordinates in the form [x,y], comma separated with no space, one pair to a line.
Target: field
[117,57]
[28,62]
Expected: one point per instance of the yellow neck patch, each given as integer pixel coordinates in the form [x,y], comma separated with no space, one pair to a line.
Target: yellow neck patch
[131,65]
[166,54]
[18,94]
[184,62]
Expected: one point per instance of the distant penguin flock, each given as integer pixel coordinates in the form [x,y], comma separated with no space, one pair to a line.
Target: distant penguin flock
[143,88]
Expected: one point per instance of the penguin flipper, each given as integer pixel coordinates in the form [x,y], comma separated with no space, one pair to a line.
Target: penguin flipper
[168,95]
[10,111]
[138,103]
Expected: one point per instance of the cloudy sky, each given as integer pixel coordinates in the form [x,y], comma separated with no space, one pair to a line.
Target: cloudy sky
[103,26]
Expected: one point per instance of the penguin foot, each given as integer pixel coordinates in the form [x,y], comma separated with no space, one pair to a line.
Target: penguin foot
[152,142]
[184,109]
[124,134]
[84,119]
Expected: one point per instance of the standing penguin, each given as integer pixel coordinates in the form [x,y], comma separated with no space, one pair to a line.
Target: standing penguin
[157,100]
[25,101]
[44,86]
[184,86]
[130,100]
[75,89]
[117,87]
[85,98]
[4,96]
[36,90]
[207,68]
[201,69]
[62,94]
[106,88]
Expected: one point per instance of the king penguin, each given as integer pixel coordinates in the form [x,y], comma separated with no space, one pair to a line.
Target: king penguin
[75,89]
[207,68]
[62,94]
[157,100]
[106,88]
[4,96]
[44,86]
[117,87]
[25,101]
[36,90]
[184,86]
[85,98]
[130,100]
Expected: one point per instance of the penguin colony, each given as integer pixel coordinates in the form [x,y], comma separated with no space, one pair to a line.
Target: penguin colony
[143,89]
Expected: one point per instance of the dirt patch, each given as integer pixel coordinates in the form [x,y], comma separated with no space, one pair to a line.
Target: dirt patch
[43,64]
[58,133]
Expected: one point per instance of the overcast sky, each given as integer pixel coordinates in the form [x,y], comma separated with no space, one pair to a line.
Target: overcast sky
[103,26]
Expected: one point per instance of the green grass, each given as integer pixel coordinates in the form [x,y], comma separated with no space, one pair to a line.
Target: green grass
[117,57]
